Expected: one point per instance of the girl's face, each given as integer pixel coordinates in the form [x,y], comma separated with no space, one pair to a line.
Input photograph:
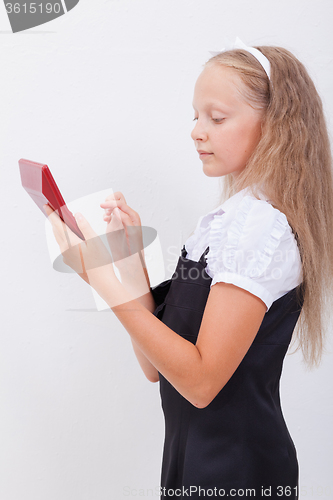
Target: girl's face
[227,128]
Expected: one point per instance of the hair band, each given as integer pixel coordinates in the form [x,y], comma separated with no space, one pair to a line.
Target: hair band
[238,44]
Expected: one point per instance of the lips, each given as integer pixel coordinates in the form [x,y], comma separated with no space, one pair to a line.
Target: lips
[203,153]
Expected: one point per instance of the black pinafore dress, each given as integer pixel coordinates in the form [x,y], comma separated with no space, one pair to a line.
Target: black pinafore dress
[239,445]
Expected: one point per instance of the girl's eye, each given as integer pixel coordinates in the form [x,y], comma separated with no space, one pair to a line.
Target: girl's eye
[218,120]
[194,119]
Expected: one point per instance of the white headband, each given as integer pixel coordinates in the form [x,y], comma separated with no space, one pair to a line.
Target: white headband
[238,44]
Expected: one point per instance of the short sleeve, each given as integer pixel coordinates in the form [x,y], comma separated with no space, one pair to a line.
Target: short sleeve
[254,249]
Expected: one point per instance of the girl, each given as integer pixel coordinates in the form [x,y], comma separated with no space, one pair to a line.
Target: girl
[215,334]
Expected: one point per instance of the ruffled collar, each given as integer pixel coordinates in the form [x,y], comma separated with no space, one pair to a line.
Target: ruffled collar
[234,201]
[204,223]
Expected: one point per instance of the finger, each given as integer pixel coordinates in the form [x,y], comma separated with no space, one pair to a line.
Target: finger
[48,210]
[117,199]
[84,226]
[109,214]
[54,218]
[118,220]
[52,214]
[129,237]
[114,198]
[115,221]
[123,214]
[132,214]
[118,195]
[111,202]
[60,230]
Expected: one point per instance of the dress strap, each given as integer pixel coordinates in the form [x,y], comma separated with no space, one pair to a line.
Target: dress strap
[202,259]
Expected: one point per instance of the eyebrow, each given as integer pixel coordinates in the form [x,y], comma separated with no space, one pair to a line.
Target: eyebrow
[219,105]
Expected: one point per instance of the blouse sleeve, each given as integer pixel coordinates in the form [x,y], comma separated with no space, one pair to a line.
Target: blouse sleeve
[256,250]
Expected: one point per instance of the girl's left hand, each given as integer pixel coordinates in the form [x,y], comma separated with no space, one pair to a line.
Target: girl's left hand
[89,258]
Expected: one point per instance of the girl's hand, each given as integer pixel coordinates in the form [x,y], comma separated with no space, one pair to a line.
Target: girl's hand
[124,232]
[89,259]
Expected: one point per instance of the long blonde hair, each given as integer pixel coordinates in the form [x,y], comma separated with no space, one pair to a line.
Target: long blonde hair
[293,164]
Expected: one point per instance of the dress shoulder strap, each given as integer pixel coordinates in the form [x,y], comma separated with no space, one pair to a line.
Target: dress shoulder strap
[202,259]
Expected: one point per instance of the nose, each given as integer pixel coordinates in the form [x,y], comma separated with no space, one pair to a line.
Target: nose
[199,133]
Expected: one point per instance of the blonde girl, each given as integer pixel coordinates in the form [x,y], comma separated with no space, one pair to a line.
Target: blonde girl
[215,335]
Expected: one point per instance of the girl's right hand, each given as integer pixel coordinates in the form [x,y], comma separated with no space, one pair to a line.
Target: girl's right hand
[117,200]
[124,232]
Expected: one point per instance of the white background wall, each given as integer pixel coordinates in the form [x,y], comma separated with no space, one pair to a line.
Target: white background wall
[103,95]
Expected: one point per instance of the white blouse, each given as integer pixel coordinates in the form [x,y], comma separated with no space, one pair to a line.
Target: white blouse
[251,245]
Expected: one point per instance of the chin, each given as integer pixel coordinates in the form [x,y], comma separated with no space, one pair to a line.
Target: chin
[210,172]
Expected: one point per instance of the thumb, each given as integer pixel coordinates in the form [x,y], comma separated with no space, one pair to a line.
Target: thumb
[84,226]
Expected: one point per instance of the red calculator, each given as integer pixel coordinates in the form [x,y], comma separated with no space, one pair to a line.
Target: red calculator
[38,181]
